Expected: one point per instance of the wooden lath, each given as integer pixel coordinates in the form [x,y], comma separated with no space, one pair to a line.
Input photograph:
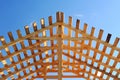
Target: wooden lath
[49,50]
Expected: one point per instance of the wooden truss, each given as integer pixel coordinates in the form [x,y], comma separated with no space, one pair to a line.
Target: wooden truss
[59,50]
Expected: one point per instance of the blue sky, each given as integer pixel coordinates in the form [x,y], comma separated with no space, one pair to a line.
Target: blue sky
[102,14]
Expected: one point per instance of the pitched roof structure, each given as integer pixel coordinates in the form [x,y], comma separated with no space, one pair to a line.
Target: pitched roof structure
[59,50]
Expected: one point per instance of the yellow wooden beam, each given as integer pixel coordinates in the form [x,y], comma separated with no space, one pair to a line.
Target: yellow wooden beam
[25,37]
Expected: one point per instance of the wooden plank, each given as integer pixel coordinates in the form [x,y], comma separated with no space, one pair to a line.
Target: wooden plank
[75,42]
[50,20]
[77,24]
[62,16]
[97,44]
[37,41]
[89,72]
[55,38]
[58,17]
[59,32]
[108,38]
[90,44]
[70,21]
[66,70]
[42,21]
[82,42]
[51,35]
[27,36]
[1,55]
[35,26]
[45,44]
[69,35]
[99,37]
[85,27]
[55,77]
[59,54]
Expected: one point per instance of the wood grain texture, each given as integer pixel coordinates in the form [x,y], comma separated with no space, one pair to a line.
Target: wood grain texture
[58,48]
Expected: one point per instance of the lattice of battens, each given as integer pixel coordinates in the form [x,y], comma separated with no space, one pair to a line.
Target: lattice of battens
[59,48]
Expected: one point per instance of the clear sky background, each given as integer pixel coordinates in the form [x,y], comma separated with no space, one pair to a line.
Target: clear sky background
[102,14]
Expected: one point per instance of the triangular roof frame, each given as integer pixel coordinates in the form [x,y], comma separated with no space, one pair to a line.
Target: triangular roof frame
[57,49]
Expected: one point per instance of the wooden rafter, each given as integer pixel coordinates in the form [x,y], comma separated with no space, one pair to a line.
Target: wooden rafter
[59,48]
